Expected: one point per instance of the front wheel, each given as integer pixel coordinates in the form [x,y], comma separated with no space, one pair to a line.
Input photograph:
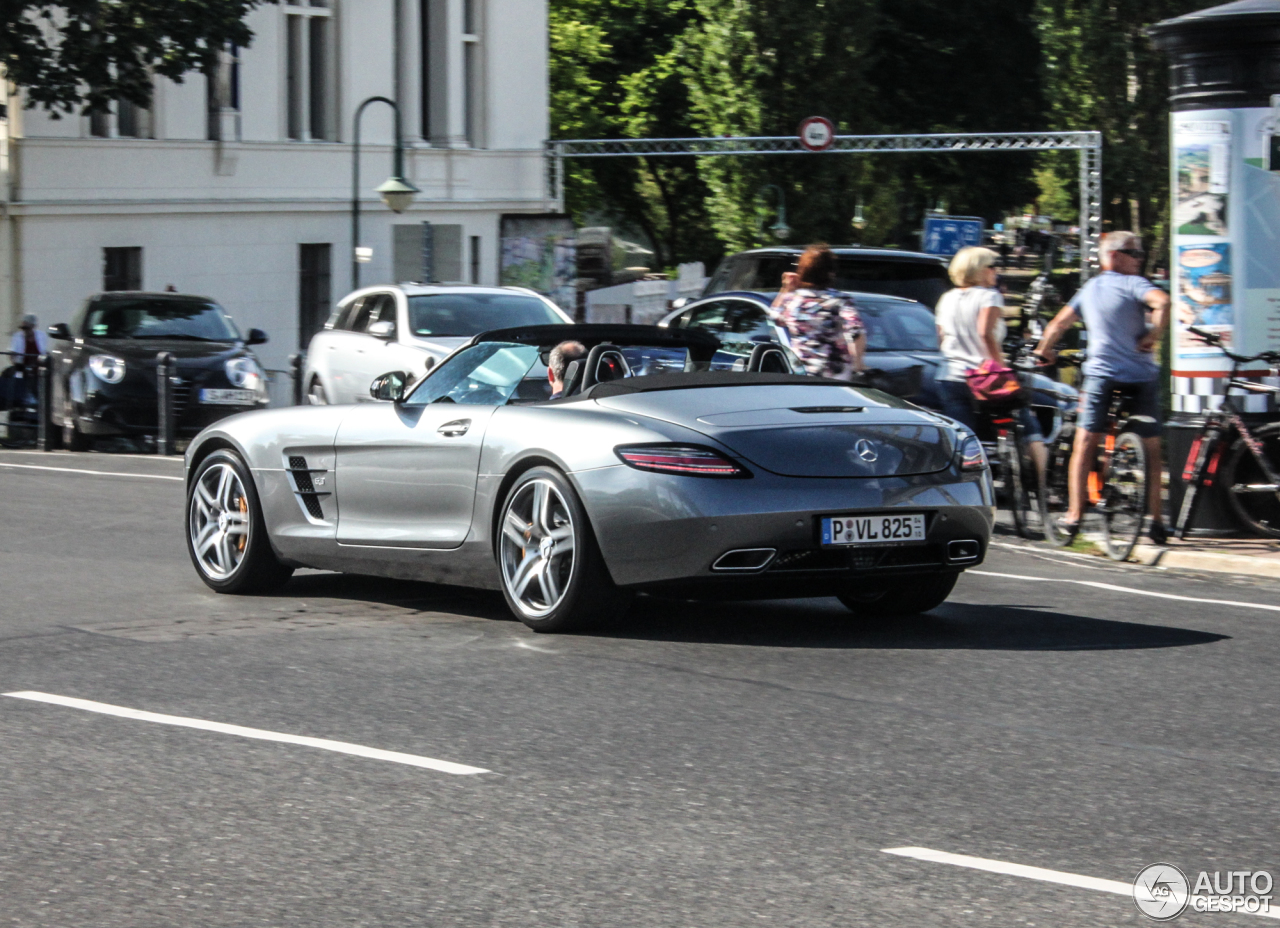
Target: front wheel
[1252,494]
[315,393]
[899,597]
[1124,497]
[553,575]
[226,534]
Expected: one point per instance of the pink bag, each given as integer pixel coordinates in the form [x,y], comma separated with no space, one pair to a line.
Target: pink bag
[993,382]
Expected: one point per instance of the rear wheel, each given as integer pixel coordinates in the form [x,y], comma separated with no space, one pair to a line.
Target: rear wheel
[905,596]
[1251,495]
[226,534]
[73,439]
[553,574]
[1054,496]
[315,393]
[1015,487]
[1124,497]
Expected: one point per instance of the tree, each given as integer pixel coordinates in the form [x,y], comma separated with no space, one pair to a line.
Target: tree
[1101,72]
[615,74]
[88,53]
[871,67]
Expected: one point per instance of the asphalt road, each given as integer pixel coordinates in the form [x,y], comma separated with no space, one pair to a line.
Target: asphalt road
[695,765]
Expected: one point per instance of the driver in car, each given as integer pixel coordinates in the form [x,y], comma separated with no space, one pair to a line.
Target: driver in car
[561,356]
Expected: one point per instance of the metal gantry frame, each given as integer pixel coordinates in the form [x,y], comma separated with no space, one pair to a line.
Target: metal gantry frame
[1089,144]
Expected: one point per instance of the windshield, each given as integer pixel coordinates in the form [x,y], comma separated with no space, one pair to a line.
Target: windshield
[467,314]
[143,318]
[900,327]
[920,280]
[498,373]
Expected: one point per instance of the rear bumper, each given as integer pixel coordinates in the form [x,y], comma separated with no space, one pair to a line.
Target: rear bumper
[667,532]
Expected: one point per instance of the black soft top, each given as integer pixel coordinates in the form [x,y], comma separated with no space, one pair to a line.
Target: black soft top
[691,380]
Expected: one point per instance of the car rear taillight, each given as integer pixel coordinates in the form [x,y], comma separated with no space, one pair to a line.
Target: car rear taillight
[689,460]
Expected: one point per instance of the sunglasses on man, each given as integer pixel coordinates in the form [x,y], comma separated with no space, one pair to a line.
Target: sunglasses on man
[1136,253]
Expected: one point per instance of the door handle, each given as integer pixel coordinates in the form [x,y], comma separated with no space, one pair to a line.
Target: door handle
[455,428]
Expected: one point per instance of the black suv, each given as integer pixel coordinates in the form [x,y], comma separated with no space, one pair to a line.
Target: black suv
[104,366]
[909,274]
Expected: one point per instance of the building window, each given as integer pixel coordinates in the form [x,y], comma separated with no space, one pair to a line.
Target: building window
[474,257]
[314,290]
[122,269]
[128,121]
[309,71]
[224,96]
[470,72]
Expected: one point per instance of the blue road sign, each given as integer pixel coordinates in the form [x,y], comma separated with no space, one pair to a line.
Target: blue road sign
[945,235]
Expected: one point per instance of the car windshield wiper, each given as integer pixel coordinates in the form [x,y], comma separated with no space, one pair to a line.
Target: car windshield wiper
[183,337]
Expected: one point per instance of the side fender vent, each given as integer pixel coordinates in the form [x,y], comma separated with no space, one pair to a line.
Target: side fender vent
[306,485]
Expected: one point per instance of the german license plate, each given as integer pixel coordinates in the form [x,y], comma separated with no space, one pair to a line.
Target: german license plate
[840,531]
[228,397]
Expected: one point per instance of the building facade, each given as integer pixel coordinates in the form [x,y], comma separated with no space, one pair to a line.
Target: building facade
[237,185]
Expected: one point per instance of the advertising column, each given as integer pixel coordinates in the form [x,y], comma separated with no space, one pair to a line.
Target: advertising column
[1224,68]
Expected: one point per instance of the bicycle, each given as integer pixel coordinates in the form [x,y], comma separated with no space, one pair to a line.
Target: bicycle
[1248,469]
[1117,486]
[1004,438]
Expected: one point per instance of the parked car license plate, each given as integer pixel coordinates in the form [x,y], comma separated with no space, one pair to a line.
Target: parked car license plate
[839,531]
[228,397]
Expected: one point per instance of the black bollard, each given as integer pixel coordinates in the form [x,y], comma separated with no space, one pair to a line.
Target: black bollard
[295,371]
[44,404]
[164,402]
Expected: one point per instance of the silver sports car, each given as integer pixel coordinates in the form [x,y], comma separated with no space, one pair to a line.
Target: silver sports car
[651,473]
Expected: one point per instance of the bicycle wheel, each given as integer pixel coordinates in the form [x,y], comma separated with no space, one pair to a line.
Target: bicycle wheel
[1014,486]
[1055,495]
[1251,493]
[1124,497]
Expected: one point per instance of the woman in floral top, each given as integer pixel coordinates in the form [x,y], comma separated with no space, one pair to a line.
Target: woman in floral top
[823,325]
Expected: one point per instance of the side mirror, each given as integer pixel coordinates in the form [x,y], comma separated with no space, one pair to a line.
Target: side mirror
[256,337]
[389,388]
[384,328]
[59,331]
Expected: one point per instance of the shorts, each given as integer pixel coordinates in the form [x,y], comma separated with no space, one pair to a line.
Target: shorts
[1143,408]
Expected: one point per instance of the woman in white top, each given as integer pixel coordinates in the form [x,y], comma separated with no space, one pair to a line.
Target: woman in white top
[971,328]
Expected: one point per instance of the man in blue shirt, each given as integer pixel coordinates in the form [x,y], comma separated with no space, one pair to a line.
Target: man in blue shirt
[1114,307]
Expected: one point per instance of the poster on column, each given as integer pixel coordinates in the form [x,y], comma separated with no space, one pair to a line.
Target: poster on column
[1202,272]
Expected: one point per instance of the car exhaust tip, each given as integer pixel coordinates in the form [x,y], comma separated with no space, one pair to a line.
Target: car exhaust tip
[963,551]
[744,559]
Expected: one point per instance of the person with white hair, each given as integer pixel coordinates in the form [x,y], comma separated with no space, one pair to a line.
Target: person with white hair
[1122,347]
[25,349]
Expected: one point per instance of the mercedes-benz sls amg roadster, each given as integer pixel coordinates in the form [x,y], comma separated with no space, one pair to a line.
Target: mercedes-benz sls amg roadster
[652,473]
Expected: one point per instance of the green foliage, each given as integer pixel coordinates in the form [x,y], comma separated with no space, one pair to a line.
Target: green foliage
[1101,72]
[615,73]
[88,53]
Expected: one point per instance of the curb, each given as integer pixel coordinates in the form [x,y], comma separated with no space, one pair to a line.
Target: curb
[1156,556]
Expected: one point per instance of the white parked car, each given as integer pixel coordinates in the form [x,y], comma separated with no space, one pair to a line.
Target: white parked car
[410,328]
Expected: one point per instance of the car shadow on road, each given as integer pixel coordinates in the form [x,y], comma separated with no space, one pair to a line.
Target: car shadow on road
[793,623]
[824,623]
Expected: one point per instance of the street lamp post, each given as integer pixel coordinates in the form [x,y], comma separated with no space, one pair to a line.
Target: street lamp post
[396,192]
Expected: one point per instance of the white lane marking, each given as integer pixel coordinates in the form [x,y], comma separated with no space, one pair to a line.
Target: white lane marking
[999,866]
[80,455]
[533,647]
[96,473]
[342,747]
[1030,873]
[1128,589]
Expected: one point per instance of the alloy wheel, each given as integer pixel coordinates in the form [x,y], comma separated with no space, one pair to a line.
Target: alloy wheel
[219,521]
[537,548]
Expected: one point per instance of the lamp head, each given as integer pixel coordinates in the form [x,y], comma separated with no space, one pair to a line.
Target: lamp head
[397,193]
[781,231]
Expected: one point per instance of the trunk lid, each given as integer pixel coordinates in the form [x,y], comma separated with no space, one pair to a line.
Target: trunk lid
[806,431]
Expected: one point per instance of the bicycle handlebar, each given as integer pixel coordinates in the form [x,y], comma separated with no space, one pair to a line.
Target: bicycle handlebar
[1214,339]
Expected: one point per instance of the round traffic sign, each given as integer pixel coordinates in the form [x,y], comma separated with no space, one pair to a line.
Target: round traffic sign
[817,133]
